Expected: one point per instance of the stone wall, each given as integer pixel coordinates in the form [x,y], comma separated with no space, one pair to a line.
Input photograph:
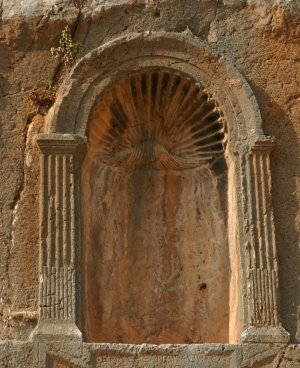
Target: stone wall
[260,38]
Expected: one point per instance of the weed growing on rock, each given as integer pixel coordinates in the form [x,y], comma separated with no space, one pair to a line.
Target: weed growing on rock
[67,50]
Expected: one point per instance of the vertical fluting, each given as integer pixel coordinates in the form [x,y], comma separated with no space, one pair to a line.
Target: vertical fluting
[58,229]
[72,244]
[274,278]
[257,215]
[262,261]
[49,236]
[55,270]
[73,298]
[43,292]
[57,212]
[270,217]
[265,210]
[65,281]
[250,248]
[43,208]
[65,205]
[43,230]
[48,207]
[48,293]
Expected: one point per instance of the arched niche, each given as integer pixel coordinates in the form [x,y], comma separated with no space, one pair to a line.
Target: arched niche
[156,259]
[244,201]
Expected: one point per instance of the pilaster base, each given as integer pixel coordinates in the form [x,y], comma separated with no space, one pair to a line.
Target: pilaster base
[56,330]
[267,334]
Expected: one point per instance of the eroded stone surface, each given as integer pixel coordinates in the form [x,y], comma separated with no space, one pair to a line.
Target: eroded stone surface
[156,264]
[156,258]
[260,39]
[157,119]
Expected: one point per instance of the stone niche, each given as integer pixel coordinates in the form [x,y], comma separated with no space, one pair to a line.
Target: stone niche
[155,214]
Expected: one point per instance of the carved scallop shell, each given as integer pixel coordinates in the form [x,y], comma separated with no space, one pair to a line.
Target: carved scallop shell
[157,119]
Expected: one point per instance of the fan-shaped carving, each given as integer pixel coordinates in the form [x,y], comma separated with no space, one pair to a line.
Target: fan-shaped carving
[157,119]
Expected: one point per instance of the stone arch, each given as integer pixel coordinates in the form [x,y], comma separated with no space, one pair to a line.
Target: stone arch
[253,239]
[102,66]
[154,142]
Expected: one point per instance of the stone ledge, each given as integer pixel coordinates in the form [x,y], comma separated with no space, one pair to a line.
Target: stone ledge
[265,335]
[66,353]
[53,331]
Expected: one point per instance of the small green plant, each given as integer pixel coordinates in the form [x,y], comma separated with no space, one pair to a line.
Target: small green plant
[67,49]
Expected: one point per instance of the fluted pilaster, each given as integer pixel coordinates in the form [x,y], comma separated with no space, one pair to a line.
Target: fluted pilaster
[59,228]
[261,257]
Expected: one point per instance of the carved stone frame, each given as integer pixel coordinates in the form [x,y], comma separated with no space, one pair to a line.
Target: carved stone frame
[62,150]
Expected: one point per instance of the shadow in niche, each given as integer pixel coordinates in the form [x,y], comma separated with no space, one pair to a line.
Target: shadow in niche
[155,264]
[219,167]
[285,169]
[155,214]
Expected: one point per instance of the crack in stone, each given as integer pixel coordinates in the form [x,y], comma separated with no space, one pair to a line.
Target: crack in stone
[15,204]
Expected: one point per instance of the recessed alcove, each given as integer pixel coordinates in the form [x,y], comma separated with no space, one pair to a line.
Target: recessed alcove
[164,231]
[156,265]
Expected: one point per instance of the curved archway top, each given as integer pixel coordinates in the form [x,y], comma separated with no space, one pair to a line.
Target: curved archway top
[64,146]
[101,67]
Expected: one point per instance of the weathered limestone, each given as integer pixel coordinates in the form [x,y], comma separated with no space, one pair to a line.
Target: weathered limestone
[153,217]
[153,228]
[252,184]
[261,253]
[62,218]
[157,119]
[163,238]
[59,234]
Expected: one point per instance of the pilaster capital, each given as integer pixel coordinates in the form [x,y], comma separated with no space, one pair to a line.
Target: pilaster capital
[54,143]
[262,144]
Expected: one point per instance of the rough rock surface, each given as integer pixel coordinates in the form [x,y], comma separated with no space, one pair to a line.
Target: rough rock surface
[261,38]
